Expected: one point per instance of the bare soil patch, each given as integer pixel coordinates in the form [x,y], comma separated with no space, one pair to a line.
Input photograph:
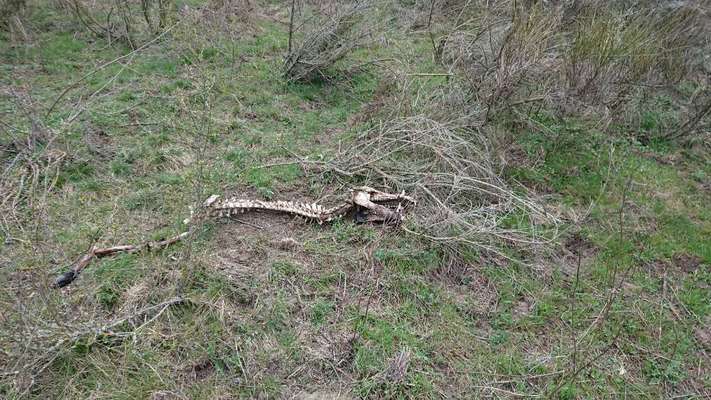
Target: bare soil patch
[686,262]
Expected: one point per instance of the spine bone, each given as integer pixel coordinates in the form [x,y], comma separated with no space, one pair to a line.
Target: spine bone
[308,210]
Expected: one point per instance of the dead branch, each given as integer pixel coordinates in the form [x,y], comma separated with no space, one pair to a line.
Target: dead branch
[95,252]
[291,24]
[449,168]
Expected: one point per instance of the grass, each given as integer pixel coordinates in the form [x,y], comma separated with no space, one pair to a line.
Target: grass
[337,313]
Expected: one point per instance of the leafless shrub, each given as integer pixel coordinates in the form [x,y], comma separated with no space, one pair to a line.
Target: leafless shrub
[128,21]
[11,8]
[450,169]
[610,54]
[216,25]
[524,54]
[618,63]
[584,58]
[327,40]
[502,59]
[10,17]
[227,11]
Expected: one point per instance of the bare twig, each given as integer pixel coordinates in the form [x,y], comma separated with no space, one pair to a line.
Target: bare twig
[692,122]
[587,365]
[573,298]
[615,286]
[435,51]
[291,23]
[423,74]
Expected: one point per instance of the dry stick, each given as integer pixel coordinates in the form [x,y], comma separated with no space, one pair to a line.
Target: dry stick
[613,287]
[327,164]
[102,66]
[616,267]
[420,74]
[323,165]
[606,308]
[691,123]
[84,261]
[613,291]
[572,310]
[78,11]
[91,96]
[359,323]
[291,24]
[429,31]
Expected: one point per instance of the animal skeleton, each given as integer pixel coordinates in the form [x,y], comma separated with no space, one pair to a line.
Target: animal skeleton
[366,204]
[371,204]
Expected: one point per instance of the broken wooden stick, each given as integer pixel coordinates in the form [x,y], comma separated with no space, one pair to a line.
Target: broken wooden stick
[96,252]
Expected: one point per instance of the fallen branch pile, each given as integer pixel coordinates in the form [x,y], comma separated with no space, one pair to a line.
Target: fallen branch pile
[450,168]
[329,40]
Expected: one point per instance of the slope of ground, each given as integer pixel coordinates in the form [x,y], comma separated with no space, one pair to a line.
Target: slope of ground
[279,308]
